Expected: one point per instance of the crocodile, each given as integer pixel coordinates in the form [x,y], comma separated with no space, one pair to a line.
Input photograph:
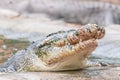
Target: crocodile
[72,11]
[59,51]
[75,11]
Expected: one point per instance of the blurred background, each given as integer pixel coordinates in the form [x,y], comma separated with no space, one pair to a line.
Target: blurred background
[24,21]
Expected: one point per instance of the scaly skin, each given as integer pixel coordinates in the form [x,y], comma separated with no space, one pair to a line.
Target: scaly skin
[73,11]
[63,50]
[77,11]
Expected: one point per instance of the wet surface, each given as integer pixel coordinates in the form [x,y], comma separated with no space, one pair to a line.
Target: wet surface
[96,73]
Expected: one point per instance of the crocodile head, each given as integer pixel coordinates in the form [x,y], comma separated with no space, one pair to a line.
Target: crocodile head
[68,50]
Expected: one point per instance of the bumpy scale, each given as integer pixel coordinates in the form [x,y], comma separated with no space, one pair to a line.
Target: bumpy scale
[63,50]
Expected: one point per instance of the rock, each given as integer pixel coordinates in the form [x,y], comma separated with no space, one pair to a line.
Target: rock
[8,13]
[1,42]
[4,46]
[94,73]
